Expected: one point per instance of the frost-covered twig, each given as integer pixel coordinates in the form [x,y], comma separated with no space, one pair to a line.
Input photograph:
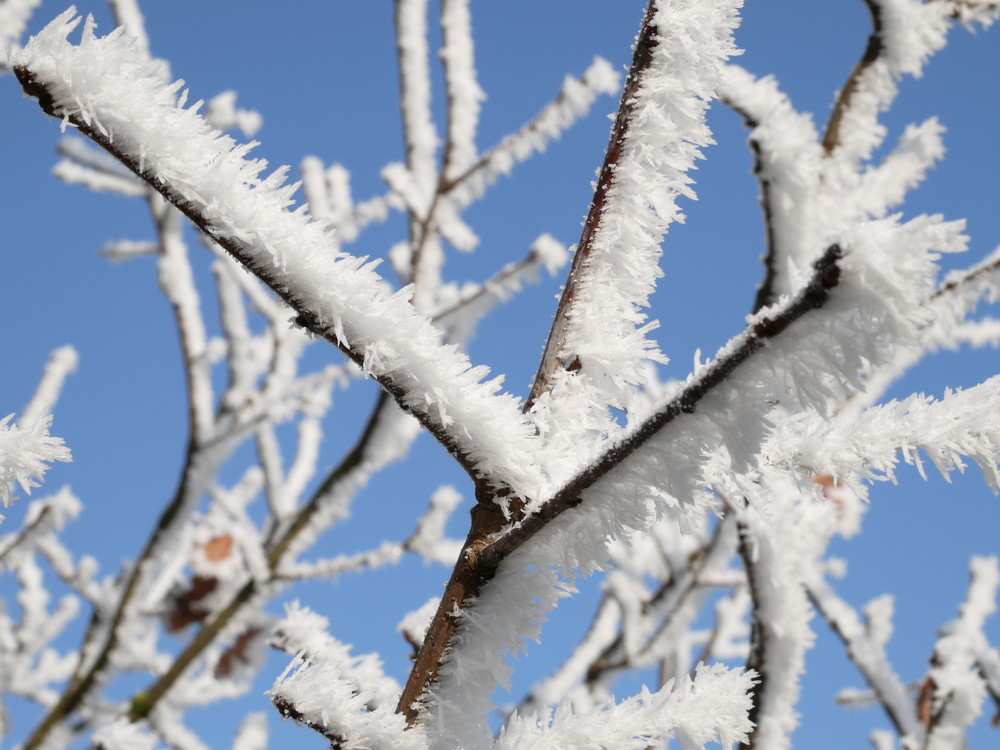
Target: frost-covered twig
[678,711]
[379,444]
[474,301]
[956,688]
[25,455]
[464,94]
[346,698]
[14,17]
[866,644]
[554,357]
[574,100]
[130,112]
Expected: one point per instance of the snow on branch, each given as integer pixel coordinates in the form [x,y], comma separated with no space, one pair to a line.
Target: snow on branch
[14,17]
[971,12]
[575,99]
[62,363]
[415,100]
[785,145]
[870,308]
[808,200]
[804,353]
[115,96]
[128,14]
[472,302]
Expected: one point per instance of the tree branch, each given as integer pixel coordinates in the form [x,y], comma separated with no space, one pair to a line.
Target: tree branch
[831,138]
[641,59]
[486,548]
[765,292]
[144,702]
[430,416]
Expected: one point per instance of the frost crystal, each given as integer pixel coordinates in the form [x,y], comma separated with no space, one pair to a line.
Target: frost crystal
[25,455]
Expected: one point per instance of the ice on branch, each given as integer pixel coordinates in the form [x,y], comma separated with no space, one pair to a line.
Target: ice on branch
[117,96]
[462,308]
[908,33]
[414,68]
[95,169]
[347,698]
[958,687]
[874,307]
[464,93]
[711,707]
[866,644]
[222,113]
[14,17]
[808,198]
[429,540]
[597,352]
[575,100]
[971,12]
[25,455]
[962,424]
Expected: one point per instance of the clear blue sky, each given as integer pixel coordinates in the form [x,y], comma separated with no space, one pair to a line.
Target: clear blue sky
[323,76]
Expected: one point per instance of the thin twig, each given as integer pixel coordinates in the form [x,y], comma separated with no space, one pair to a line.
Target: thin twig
[765,292]
[143,702]
[831,138]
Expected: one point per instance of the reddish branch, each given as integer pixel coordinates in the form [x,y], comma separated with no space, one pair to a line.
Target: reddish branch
[831,138]
[553,356]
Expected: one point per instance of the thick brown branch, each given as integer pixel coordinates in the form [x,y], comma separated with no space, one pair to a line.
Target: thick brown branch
[484,551]
[466,582]
[641,59]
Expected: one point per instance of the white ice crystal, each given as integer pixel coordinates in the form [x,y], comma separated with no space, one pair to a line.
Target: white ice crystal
[25,455]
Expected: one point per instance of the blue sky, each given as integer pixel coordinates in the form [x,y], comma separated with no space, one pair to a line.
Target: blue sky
[323,76]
